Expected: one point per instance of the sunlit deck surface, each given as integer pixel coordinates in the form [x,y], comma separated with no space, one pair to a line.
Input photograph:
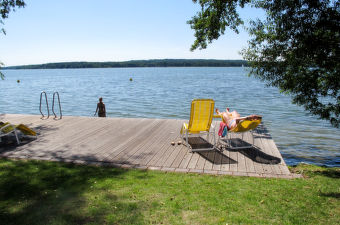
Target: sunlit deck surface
[139,143]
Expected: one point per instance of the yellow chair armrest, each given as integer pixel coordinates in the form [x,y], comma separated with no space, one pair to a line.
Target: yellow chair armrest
[184,128]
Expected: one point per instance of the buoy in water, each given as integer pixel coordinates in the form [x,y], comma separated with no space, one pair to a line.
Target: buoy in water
[130,79]
[18,81]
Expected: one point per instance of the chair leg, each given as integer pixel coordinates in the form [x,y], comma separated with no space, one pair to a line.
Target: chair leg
[229,139]
[186,140]
[16,136]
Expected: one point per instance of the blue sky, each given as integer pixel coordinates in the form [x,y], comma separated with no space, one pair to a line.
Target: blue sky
[109,30]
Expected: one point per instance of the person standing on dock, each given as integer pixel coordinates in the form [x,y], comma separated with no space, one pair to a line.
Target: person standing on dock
[100,108]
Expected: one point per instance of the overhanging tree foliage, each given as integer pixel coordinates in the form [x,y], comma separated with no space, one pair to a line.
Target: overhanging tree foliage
[296,48]
[5,7]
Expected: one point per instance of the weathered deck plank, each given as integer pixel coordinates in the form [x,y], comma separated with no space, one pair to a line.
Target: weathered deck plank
[140,143]
[141,154]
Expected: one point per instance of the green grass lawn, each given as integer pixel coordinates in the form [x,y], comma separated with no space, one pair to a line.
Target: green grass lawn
[39,192]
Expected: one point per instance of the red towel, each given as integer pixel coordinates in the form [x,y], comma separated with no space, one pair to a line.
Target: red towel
[222,126]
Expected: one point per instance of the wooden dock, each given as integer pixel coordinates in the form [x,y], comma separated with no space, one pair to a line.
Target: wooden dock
[139,143]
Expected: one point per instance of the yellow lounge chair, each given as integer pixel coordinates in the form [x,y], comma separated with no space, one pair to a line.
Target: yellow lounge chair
[7,129]
[242,127]
[201,115]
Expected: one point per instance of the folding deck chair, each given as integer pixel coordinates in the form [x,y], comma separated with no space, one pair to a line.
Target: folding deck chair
[6,129]
[201,115]
[241,128]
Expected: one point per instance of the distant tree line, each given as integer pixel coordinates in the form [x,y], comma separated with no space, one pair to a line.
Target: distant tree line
[138,63]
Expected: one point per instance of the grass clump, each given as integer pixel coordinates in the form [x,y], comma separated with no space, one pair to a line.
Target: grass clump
[39,192]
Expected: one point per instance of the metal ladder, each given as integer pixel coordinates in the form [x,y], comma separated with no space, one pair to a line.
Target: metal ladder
[55,115]
[48,110]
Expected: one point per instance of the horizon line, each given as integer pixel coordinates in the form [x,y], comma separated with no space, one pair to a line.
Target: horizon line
[124,61]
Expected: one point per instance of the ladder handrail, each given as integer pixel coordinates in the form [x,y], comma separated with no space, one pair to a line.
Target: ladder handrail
[55,115]
[48,110]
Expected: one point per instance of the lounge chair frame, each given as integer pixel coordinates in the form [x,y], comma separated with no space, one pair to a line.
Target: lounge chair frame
[229,139]
[250,127]
[14,130]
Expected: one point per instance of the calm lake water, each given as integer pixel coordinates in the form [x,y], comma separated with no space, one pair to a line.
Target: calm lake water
[167,93]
